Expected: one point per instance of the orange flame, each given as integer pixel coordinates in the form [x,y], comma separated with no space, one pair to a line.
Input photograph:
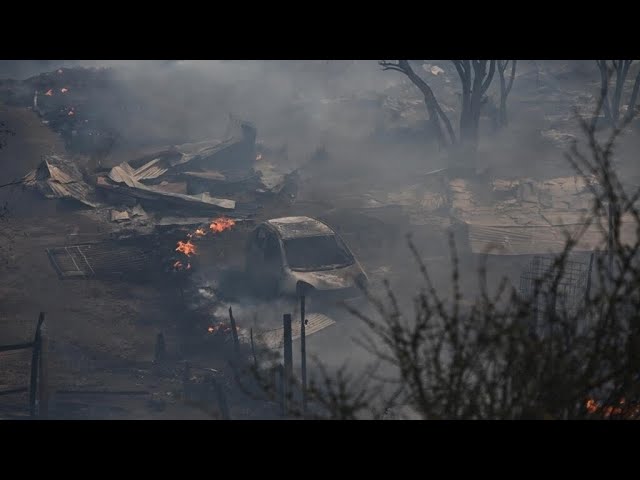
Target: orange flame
[64,90]
[187,248]
[259,157]
[609,410]
[71,112]
[221,224]
[60,70]
[181,266]
[49,93]
[220,327]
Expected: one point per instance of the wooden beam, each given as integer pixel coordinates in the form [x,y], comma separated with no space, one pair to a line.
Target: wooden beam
[288,357]
[35,364]
[43,377]
[234,332]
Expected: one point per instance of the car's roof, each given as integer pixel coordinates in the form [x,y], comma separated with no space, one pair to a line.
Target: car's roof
[299,227]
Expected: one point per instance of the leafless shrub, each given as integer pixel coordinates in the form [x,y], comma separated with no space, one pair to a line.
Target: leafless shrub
[495,357]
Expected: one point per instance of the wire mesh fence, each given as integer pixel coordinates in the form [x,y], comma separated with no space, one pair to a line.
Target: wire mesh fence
[565,298]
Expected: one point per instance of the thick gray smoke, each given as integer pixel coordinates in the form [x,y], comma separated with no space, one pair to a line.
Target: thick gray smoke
[190,100]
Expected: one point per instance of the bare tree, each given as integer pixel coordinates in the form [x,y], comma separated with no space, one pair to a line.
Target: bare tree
[437,117]
[616,72]
[505,87]
[476,77]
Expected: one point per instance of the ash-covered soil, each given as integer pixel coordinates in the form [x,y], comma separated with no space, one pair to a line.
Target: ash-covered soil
[103,331]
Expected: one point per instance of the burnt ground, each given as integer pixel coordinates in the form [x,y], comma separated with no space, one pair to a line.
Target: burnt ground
[103,331]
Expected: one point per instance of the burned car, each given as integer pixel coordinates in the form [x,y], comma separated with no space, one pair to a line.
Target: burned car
[301,255]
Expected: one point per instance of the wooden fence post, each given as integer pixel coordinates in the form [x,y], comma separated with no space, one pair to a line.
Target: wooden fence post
[253,350]
[43,377]
[186,381]
[35,363]
[303,354]
[234,332]
[282,391]
[161,349]
[288,356]
[222,399]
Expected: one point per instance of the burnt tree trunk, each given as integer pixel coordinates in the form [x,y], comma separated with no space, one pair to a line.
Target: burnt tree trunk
[475,81]
[445,136]
[505,88]
[616,72]
[631,112]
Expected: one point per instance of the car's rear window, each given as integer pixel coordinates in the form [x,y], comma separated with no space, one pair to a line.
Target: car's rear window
[317,253]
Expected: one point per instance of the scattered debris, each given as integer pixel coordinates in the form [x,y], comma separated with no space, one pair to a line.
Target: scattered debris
[527,217]
[117,216]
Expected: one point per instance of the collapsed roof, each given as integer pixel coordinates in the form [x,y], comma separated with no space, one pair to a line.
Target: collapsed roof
[196,177]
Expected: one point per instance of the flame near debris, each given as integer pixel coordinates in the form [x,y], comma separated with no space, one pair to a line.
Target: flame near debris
[188,248]
[259,157]
[622,409]
[221,224]
[181,266]
[220,327]
[64,90]
[49,93]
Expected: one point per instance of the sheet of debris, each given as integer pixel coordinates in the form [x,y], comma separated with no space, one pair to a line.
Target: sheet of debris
[274,339]
[122,181]
[223,176]
[523,217]
[122,220]
[58,177]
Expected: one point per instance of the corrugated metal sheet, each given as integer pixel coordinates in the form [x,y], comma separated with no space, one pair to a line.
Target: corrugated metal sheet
[540,239]
[274,339]
[533,218]
[154,169]
[57,177]
[123,175]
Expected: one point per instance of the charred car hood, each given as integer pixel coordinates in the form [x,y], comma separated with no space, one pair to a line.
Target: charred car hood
[330,279]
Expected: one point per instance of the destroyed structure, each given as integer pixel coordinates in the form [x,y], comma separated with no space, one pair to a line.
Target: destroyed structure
[206,179]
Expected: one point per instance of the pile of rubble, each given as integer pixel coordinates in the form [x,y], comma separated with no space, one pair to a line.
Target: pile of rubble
[230,177]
